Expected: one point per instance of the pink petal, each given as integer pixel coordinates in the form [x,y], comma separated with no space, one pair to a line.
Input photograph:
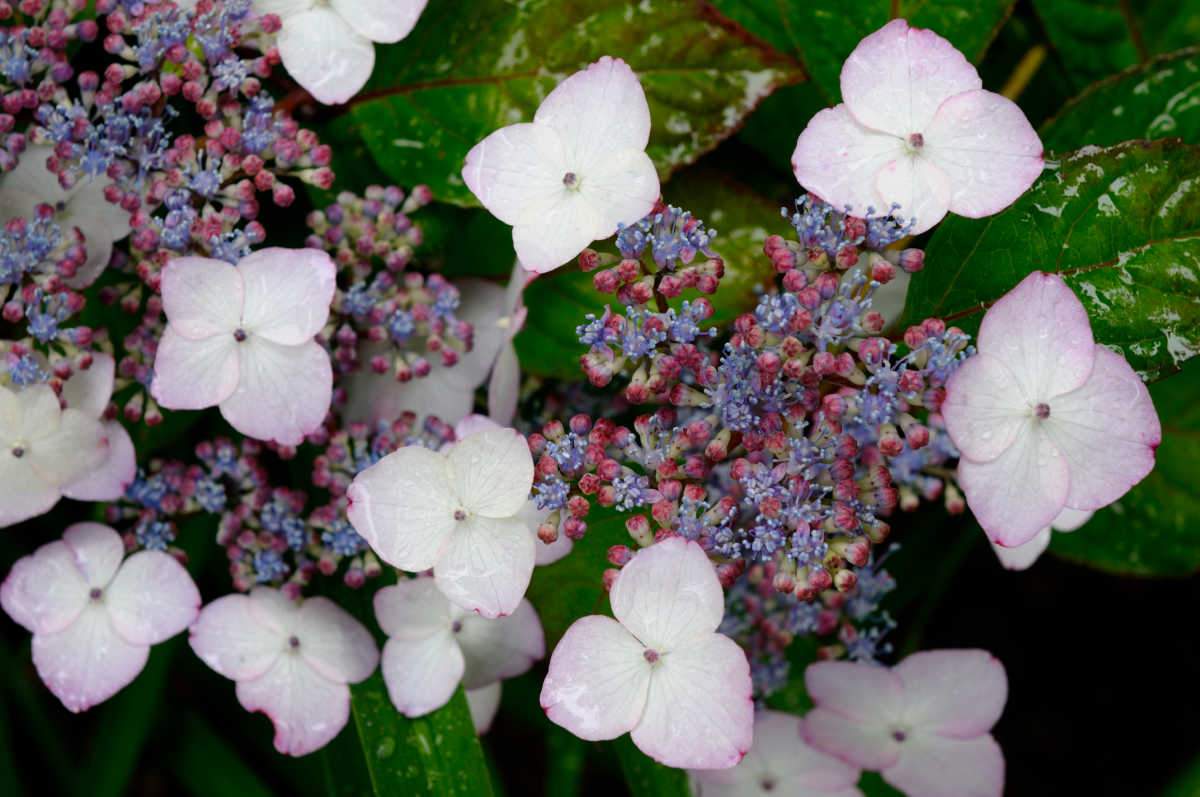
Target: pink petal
[403,506]
[483,704]
[422,673]
[1107,430]
[1022,557]
[502,648]
[598,111]
[517,172]
[897,77]
[202,297]
[89,390]
[956,693]
[88,661]
[232,641]
[985,408]
[45,591]
[194,374]
[492,472]
[839,160]
[381,20]
[98,551]
[1020,492]
[283,392]
[919,187]
[598,680]
[622,189]
[109,480]
[869,745]
[412,608]
[325,55]
[1070,520]
[559,233]
[933,766]
[152,598]
[486,565]
[288,292]
[306,709]
[987,147]
[668,594]
[333,643]
[1040,331]
[505,386]
[474,424]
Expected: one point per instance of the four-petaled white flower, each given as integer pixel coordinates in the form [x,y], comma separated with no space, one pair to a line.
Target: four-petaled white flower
[434,645]
[1044,417]
[573,174]
[291,661]
[82,206]
[455,512]
[327,46]
[659,672]
[241,337]
[94,617]
[1023,556]
[779,763]
[924,724]
[917,129]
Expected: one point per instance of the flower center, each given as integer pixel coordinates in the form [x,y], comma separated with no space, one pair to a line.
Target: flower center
[570,180]
[460,515]
[651,655]
[239,334]
[96,593]
[456,626]
[1042,410]
[293,642]
[18,451]
[899,735]
[916,140]
[767,783]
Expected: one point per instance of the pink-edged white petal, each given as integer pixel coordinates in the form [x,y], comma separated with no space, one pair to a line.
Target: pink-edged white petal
[483,704]
[74,448]
[934,766]
[274,610]
[230,639]
[857,705]
[287,293]
[98,551]
[517,172]
[486,565]
[109,480]
[373,398]
[1020,492]
[559,233]
[102,224]
[699,710]
[668,594]
[861,744]
[504,387]
[88,661]
[194,374]
[46,590]
[474,424]
[984,409]
[283,392]
[403,506]
[333,643]
[384,21]
[23,492]
[1070,520]
[152,598]
[988,150]
[622,189]
[412,608]
[896,78]
[89,390]
[1107,430]
[1022,557]
[918,186]
[307,709]
[955,693]
[598,680]
[202,297]
[492,472]
[838,159]
[484,306]
[1040,331]
[327,57]
[502,648]
[422,673]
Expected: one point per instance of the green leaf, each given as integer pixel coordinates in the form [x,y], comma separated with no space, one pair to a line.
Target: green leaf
[207,766]
[822,33]
[460,76]
[1154,530]
[1187,783]
[1156,100]
[872,785]
[646,777]
[1119,224]
[435,754]
[793,697]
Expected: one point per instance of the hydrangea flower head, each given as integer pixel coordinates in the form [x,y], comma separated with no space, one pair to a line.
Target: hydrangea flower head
[433,645]
[94,617]
[1045,419]
[659,671]
[292,661]
[573,174]
[916,129]
[924,724]
[455,512]
[1023,556]
[241,338]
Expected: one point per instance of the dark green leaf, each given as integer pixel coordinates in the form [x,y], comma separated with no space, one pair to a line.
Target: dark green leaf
[1119,224]
[872,785]
[1155,529]
[775,126]
[1187,783]
[1157,100]
[9,783]
[646,777]
[460,76]
[573,586]
[206,766]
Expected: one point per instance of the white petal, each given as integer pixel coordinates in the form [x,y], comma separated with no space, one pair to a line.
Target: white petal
[307,709]
[838,159]
[956,693]
[668,594]
[1022,557]
[1070,520]
[422,673]
[76,447]
[933,766]
[272,608]
[194,374]
[101,222]
[288,292]
[486,565]
[492,472]
[504,386]
[98,551]
[202,297]
[378,398]
[985,408]
[89,390]
[622,188]
[412,608]
[502,648]
[517,172]
[231,640]
[152,598]
[29,184]
[919,187]
[23,492]
[88,661]
[474,424]
[556,236]
[381,20]
[333,643]
[325,55]
[598,680]
[699,710]
[109,480]
[484,306]
[45,591]
[483,704]
[283,392]
[533,517]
